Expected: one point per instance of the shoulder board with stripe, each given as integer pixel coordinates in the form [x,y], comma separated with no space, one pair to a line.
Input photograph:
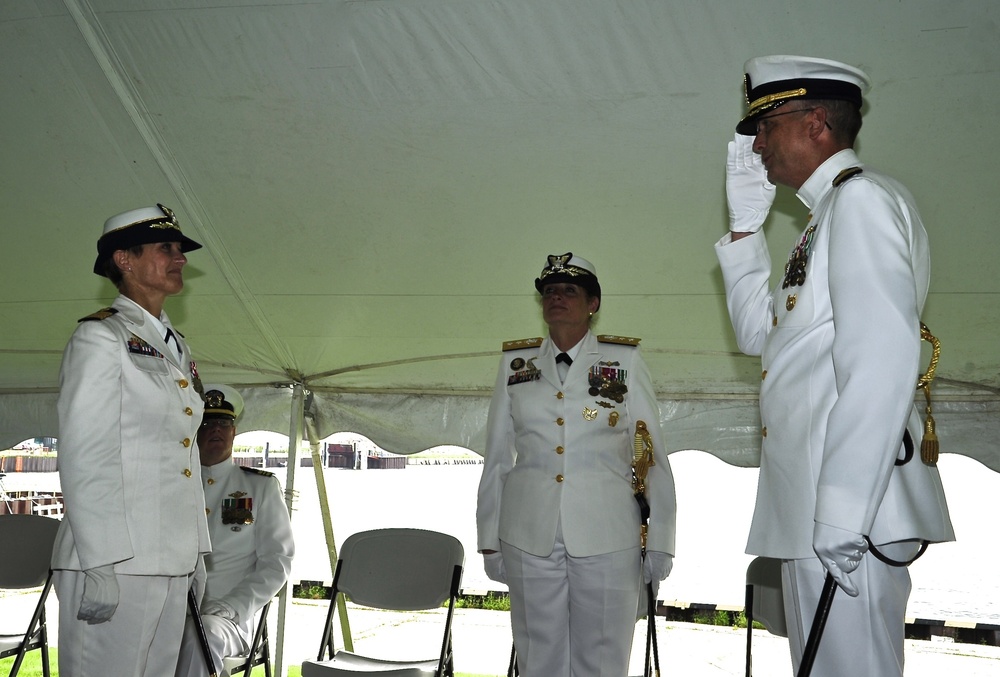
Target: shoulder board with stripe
[620,340]
[846,174]
[256,471]
[522,343]
[102,314]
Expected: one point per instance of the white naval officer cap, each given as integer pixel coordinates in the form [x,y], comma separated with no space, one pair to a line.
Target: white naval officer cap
[222,401]
[770,81]
[140,226]
[572,269]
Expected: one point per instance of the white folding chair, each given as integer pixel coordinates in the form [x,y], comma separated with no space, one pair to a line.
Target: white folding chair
[27,542]
[259,653]
[399,570]
[764,601]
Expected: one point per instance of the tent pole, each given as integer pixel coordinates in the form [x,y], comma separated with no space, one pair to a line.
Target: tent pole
[324,509]
[294,440]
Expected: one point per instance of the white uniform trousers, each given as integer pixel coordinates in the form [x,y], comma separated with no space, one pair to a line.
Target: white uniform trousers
[224,639]
[572,616]
[141,639]
[864,634]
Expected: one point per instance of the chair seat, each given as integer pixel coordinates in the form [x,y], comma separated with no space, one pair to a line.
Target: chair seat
[231,663]
[9,642]
[349,663]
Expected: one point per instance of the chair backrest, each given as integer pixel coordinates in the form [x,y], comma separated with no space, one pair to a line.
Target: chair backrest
[27,543]
[764,577]
[402,569]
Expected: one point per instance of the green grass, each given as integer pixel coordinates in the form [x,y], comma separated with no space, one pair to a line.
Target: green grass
[490,601]
[32,666]
[735,619]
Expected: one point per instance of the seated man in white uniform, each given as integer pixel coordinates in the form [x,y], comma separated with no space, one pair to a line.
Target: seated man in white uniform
[252,545]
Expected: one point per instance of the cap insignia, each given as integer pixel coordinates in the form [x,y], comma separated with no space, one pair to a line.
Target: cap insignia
[559,262]
[214,399]
[171,221]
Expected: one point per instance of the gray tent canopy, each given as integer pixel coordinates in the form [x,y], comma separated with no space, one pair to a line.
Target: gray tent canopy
[377,184]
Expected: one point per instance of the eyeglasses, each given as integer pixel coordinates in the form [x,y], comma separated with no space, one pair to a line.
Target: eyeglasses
[218,423]
[787,112]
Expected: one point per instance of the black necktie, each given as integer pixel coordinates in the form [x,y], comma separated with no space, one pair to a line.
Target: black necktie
[170,335]
[563,357]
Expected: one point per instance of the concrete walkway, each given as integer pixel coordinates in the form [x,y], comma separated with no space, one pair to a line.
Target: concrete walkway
[482,645]
[482,642]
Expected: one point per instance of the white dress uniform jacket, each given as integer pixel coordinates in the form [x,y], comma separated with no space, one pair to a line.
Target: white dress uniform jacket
[252,546]
[841,358]
[128,461]
[556,453]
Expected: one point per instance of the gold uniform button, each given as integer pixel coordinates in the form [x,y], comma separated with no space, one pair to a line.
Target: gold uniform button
[189,411]
[183,383]
[559,450]
[560,421]
[763,375]
[208,511]
[187,473]
[210,481]
[559,395]
[186,442]
[763,431]
[774,321]
[559,478]
[790,301]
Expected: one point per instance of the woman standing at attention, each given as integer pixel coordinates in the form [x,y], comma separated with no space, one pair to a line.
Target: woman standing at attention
[557,517]
[135,530]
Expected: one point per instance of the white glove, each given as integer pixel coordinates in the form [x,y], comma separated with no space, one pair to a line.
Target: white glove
[495,570]
[840,551]
[100,595]
[656,566]
[218,607]
[749,192]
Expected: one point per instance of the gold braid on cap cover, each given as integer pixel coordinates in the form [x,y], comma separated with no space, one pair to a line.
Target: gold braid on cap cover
[929,448]
[642,459]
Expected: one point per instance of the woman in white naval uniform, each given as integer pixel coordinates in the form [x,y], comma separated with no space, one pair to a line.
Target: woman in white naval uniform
[252,546]
[557,518]
[129,408]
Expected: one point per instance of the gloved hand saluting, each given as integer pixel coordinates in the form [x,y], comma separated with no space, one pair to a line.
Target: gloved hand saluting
[840,551]
[100,595]
[748,191]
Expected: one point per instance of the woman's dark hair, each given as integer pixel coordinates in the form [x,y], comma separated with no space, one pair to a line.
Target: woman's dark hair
[111,269]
